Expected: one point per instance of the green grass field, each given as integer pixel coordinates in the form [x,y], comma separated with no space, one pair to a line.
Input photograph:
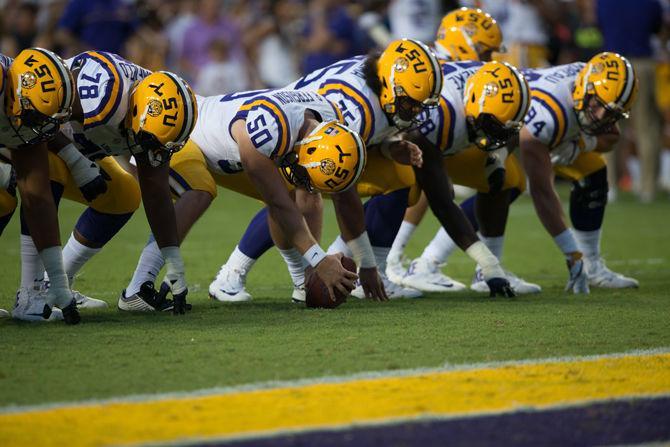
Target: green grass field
[117,354]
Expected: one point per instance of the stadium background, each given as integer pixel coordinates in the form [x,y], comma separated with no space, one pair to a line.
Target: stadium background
[101,382]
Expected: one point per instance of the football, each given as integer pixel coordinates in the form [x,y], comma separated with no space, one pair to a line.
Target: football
[317,292]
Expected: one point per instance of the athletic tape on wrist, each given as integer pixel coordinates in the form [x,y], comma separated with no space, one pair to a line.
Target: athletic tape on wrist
[361,249]
[314,255]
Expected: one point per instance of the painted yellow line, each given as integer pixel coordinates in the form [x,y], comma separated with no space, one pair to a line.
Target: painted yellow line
[448,393]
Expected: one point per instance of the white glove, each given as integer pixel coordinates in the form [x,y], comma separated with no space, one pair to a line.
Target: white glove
[567,152]
[82,169]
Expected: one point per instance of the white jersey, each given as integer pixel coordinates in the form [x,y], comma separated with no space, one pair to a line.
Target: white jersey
[273,120]
[343,83]
[103,82]
[445,125]
[550,118]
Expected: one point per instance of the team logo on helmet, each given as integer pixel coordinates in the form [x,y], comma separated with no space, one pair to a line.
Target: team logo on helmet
[28,80]
[470,29]
[401,64]
[154,108]
[597,68]
[327,166]
[491,89]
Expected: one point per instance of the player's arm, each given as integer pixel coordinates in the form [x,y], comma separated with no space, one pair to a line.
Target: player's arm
[90,179]
[433,180]
[266,178]
[351,220]
[158,206]
[540,172]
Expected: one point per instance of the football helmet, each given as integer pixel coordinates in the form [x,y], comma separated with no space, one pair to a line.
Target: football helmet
[411,79]
[330,159]
[496,99]
[604,92]
[162,112]
[39,95]
[468,34]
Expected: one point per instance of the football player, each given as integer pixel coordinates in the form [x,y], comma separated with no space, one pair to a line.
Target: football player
[38,92]
[122,109]
[572,121]
[264,144]
[379,95]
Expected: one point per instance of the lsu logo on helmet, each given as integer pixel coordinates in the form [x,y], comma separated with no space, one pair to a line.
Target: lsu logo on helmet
[329,160]
[407,69]
[468,34]
[162,114]
[39,95]
[496,98]
[609,80]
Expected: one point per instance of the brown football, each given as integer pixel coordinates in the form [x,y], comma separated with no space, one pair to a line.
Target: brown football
[317,292]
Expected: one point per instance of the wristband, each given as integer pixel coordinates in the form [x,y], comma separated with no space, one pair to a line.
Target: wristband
[589,142]
[361,249]
[566,243]
[70,155]
[314,255]
[173,260]
[490,265]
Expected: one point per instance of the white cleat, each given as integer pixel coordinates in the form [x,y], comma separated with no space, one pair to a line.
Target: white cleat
[299,296]
[393,290]
[228,286]
[519,285]
[600,276]
[426,276]
[30,306]
[4,313]
[395,270]
[86,302]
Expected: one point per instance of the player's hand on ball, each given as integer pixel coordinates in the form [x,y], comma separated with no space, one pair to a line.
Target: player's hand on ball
[500,286]
[578,281]
[372,284]
[335,276]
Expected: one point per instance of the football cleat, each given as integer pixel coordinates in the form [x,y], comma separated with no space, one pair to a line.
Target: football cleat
[299,296]
[395,270]
[600,276]
[520,286]
[228,286]
[393,290]
[4,313]
[86,302]
[30,305]
[146,300]
[426,276]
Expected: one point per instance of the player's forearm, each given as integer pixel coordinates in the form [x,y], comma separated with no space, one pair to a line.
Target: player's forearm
[350,214]
[549,209]
[158,206]
[292,224]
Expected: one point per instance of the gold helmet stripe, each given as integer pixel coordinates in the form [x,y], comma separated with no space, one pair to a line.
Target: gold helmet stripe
[189,108]
[65,76]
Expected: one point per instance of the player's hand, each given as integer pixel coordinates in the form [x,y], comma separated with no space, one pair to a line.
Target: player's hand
[335,276]
[494,168]
[178,304]
[578,281]
[500,286]
[94,188]
[175,279]
[406,153]
[373,286]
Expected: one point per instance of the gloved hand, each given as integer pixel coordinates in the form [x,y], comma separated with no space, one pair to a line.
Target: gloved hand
[175,279]
[578,281]
[86,174]
[494,169]
[500,286]
[95,188]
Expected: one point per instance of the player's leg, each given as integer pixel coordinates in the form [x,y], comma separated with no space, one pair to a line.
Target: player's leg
[195,189]
[7,204]
[588,199]
[40,240]
[413,216]
[100,222]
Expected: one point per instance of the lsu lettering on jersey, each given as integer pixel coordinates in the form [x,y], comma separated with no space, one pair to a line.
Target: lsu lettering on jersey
[104,81]
[445,125]
[273,120]
[343,83]
[550,118]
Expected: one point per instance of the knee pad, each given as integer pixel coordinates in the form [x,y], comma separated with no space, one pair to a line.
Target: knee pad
[588,199]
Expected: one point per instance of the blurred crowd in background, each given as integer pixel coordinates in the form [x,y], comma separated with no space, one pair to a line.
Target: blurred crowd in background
[223,46]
